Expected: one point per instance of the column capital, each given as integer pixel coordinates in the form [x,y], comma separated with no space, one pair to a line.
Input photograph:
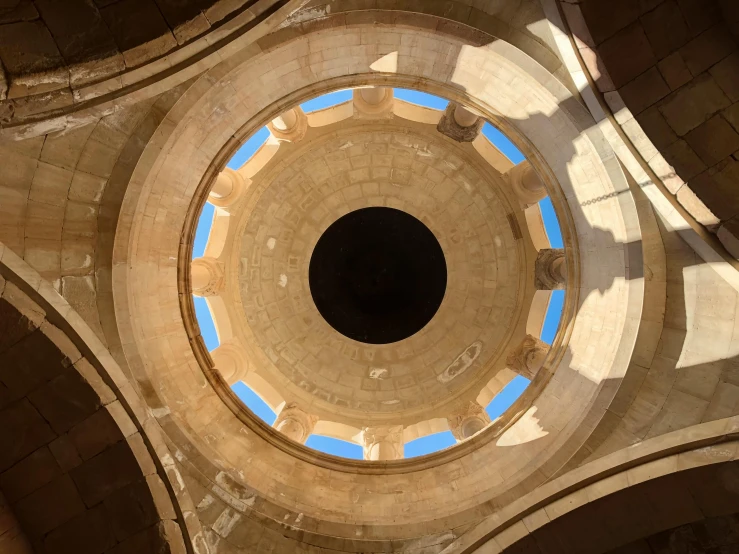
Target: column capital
[207,276]
[373,102]
[459,123]
[550,270]
[526,184]
[228,188]
[528,357]
[295,423]
[290,126]
[467,419]
[383,442]
[231,360]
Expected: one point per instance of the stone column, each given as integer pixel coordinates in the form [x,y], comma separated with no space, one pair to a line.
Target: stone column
[230,359]
[528,357]
[227,189]
[467,419]
[383,442]
[206,276]
[295,423]
[459,123]
[289,126]
[526,184]
[373,102]
[550,270]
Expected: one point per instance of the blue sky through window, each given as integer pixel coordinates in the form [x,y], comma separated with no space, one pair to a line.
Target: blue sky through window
[336,447]
[326,100]
[248,149]
[430,443]
[254,402]
[421,98]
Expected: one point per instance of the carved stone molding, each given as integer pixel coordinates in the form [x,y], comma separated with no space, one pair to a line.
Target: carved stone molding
[207,277]
[373,102]
[291,126]
[383,443]
[550,269]
[467,420]
[528,357]
[526,184]
[295,423]
[228,188]
[460,124]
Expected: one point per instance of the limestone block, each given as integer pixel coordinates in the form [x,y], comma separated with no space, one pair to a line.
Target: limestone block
[713,140]
[728,234]
[138,506]
[693,104]
[726,75]
[33,472]
[295,423]
[105,473]
[627,54]
[88,532]
[708,48]
[674,71]
[683,159]
[40,68]
[550,271]
[697,208]
[164,537]
[383,442]
[467,419]
[101,430]
[459,123]
[65,400]
[139,30]
[527,358]
[50,506]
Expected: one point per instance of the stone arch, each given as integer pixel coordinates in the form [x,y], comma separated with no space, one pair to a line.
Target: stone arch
[81,465]
[569,116]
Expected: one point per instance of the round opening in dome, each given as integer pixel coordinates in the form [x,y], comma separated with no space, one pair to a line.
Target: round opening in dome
[377,275]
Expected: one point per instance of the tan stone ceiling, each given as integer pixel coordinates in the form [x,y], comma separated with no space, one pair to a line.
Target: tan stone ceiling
[340,168]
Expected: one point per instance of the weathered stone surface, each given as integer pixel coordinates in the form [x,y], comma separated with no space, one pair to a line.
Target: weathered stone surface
[674,71]
[88,533]
[163,538]
[28,475]
[139,30]
[105,473]
[693,104]
[714,140]
[25,431]
[683,158]
[49,506]
[66,400]
[28,47]
[449,126]
[627,54]
[550,270]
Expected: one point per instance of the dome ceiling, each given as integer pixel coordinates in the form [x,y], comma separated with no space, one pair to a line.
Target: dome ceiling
[449,191]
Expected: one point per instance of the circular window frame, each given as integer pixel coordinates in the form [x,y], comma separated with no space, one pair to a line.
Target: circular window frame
[329,461]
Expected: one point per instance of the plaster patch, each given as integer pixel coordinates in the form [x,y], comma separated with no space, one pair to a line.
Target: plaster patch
[271,241]
[461,363]
[226,522]
[378,373]
[283,280]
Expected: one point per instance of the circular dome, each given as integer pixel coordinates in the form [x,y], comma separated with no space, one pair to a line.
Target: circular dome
[377,275]
[397,167]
